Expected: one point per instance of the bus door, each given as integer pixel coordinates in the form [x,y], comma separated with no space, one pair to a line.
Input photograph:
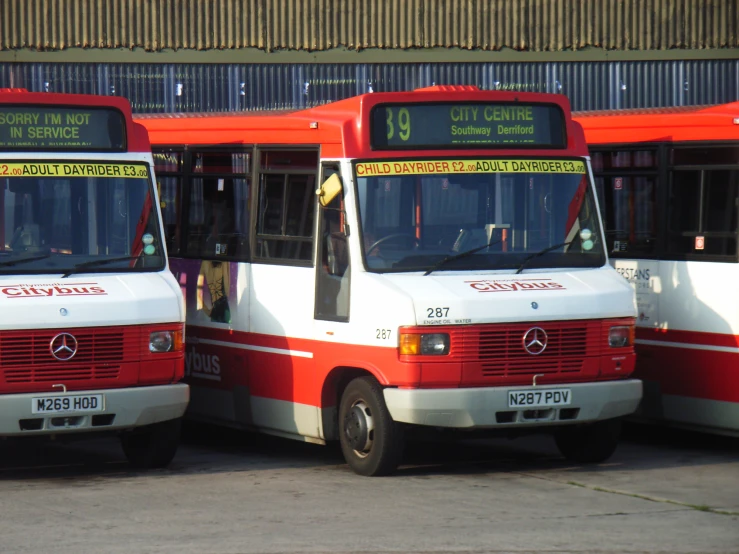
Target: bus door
[332,270]
[284,396]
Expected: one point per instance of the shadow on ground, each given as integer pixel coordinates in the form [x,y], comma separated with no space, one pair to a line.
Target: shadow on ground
[210,449]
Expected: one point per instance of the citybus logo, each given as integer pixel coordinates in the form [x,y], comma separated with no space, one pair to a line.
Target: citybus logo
[515,285]
[52,289]
[202,366]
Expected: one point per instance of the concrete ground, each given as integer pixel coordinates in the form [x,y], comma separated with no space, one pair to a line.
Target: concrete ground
[231,492]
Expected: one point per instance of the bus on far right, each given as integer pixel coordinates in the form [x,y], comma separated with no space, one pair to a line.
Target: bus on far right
[668,188]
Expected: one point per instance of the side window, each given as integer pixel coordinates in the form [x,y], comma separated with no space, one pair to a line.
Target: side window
[626,182]
[168,172]
[332,271]
[702,211]
[217,223]
[286,206]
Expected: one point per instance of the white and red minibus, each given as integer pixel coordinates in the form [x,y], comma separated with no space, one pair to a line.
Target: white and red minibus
[668,181]
[395,260]
[91,318]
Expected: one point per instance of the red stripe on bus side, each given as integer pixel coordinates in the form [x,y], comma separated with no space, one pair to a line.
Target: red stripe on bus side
[292,378]
[688,337]
[690,372]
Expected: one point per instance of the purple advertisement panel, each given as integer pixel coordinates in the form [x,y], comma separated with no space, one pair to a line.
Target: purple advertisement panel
[210,289]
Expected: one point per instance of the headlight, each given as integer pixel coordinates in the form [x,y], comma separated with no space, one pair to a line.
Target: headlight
[436,344]
[432,344]
[164,341]
[621,336]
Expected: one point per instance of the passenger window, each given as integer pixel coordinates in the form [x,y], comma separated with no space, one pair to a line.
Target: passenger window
[168,172]
[169,202]
[218,219]
[626,183]
[702,212]
[631,213]
[706,155]
[286,206]
[217,223]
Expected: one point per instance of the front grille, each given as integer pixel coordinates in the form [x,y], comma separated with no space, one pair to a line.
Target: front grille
[46,374]
[25,356]
[498,351]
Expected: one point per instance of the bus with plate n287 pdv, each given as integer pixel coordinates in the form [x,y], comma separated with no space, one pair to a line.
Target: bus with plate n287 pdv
[91,319]
[668,182]
[428,258]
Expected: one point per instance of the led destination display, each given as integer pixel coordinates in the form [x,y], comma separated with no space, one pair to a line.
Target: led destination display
[473,125]
[61,128]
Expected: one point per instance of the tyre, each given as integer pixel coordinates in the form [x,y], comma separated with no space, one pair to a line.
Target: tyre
[152,446]
[372,443]
[591,443]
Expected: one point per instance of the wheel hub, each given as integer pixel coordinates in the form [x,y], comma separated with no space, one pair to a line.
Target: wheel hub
[359,427]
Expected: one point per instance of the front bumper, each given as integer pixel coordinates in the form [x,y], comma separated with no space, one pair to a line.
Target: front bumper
[488,407]
[123,409]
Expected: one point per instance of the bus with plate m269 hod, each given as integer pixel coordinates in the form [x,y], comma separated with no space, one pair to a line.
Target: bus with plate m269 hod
[91,319]
[431,258]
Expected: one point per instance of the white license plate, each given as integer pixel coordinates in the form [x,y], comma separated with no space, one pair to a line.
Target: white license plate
[65,404]
[536,398]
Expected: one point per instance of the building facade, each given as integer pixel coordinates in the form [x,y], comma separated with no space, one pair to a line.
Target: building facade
[215,55]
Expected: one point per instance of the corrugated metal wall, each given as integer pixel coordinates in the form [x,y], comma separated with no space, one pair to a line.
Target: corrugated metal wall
[534,25]
[228,87]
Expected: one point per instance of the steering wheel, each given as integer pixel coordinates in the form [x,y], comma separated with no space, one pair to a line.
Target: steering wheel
[378,242]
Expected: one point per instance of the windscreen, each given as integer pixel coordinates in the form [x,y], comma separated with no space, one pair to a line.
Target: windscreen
[442,215]
[78,217]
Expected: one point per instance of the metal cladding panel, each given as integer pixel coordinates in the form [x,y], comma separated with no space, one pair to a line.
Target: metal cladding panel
[156,88]
[317,25]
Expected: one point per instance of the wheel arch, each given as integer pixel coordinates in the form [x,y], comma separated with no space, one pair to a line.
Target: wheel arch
[333,387]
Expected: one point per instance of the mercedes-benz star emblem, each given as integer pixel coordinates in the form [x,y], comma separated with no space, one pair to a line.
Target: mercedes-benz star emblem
[535,341]
[63,347]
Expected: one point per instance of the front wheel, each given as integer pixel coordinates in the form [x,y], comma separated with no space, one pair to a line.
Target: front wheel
[591,443]
[152,446]
[372,443]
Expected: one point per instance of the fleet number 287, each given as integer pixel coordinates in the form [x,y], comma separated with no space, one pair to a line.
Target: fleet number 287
[437,312]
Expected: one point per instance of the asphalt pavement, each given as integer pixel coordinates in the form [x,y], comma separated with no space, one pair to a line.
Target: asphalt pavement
[233,492]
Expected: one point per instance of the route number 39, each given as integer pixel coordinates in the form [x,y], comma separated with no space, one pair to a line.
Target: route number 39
[403,122]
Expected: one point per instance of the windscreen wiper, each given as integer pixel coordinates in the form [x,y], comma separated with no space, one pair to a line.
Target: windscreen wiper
[92,263]
[461,255]
[527,259]
[24,260]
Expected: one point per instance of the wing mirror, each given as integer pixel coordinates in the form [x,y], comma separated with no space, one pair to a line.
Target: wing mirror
[329,190]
